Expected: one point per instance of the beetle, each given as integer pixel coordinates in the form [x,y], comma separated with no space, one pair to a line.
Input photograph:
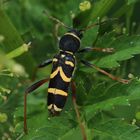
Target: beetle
[63,66]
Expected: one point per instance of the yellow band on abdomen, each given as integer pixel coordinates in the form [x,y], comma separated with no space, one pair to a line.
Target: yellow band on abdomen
[63,76]
[57,91]
[69,63]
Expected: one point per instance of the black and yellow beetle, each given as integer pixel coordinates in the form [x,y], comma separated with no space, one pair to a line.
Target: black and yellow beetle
[63,65]
[62,70]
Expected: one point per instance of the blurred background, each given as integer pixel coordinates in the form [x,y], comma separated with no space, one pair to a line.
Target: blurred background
[28,37]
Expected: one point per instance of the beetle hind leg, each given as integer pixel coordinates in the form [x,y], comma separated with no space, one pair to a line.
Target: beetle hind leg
[73,87]
[29,90]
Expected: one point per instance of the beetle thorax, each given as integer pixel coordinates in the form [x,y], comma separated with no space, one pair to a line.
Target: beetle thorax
[70,42]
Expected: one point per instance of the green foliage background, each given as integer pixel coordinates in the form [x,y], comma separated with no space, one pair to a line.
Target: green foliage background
[109,110]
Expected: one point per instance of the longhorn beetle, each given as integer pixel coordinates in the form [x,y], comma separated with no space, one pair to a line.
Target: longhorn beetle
[63,65]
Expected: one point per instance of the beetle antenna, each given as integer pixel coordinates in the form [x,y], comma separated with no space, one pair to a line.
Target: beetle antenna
[55,19]
[99,23]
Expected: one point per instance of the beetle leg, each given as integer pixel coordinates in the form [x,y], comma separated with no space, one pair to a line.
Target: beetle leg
[124,81]
[42,65]
[29,90]
[73,88]
[88,49]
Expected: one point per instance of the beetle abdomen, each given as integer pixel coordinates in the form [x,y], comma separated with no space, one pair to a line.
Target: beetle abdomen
[60,78]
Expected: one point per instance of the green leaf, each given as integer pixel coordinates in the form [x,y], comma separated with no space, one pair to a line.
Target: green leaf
[74,133]
[131,1]
[125,95]
[116,130]
[101,8]
[41,125]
